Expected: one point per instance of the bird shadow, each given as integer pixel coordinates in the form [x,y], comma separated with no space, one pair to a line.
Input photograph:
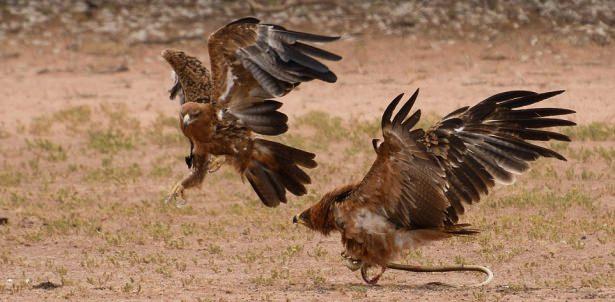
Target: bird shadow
[431,286]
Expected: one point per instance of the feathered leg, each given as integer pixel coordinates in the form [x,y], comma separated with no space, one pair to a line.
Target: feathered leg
[199,170]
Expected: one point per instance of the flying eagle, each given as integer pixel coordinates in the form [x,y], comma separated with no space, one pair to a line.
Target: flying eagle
[422,180]
[251,62]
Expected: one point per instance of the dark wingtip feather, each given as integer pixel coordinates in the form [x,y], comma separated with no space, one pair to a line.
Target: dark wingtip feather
[412,120]
[316,52]
[507,95]
[388,112]
[308,36]
[403,112]
[530,99]
[328,77]
[252,20]
[556,155]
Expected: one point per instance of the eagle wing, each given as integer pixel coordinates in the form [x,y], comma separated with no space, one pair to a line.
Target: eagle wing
[193,83]
[176,90]
[424,178]
[252,61]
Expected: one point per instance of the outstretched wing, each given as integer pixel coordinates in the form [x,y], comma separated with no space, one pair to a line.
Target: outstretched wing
[424,178]
[251,61]
[191,80]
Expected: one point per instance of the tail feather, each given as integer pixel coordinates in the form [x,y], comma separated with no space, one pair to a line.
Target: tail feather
[284,152]
[266,185]
[461,229]
[274,168]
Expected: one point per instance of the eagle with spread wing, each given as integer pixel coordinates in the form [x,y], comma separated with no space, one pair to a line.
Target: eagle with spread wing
[251,63]
[422,180]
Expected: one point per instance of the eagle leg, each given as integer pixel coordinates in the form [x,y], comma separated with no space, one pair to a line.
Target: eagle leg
[374,280]
[195,178]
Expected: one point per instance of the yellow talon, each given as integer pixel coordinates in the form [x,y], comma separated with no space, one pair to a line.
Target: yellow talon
[176,192]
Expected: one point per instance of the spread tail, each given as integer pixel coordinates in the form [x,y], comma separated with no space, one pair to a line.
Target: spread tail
[274,168]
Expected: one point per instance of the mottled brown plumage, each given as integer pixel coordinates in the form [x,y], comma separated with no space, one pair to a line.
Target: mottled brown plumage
[250,62]
[422,179]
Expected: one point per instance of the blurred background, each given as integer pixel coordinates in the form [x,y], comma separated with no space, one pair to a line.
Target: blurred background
[121,37]
[41,23]
[89,146]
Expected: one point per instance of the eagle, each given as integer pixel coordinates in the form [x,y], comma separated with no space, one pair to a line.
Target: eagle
[422,180]
[222,111]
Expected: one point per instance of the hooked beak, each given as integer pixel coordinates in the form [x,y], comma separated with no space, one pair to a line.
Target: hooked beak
[298,220]
[187,120]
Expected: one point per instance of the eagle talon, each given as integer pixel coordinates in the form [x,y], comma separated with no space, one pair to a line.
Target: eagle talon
[176,195]
[374,280]
[350,263]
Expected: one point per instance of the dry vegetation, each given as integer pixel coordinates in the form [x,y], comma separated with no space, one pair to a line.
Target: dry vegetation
[88,210]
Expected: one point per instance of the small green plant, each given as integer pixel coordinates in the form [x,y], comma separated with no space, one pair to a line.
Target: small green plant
[214,249]
[10,178]
[76,116]
[110,140]
[109,173]
[47,149]
[41,125]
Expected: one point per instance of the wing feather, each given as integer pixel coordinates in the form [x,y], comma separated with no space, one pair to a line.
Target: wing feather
[253,61]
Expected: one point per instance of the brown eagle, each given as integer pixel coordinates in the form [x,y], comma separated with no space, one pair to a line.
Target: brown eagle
[251,62]
[421,180]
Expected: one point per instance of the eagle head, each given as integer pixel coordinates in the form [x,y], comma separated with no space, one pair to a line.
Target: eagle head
[321,216]
[191,113]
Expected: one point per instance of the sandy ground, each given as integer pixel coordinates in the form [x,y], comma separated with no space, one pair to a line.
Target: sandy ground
[83,199]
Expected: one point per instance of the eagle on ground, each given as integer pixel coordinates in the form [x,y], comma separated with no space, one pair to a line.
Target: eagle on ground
[220,114]
[422,180]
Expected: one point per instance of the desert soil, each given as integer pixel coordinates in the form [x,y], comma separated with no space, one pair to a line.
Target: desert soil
[89,148]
